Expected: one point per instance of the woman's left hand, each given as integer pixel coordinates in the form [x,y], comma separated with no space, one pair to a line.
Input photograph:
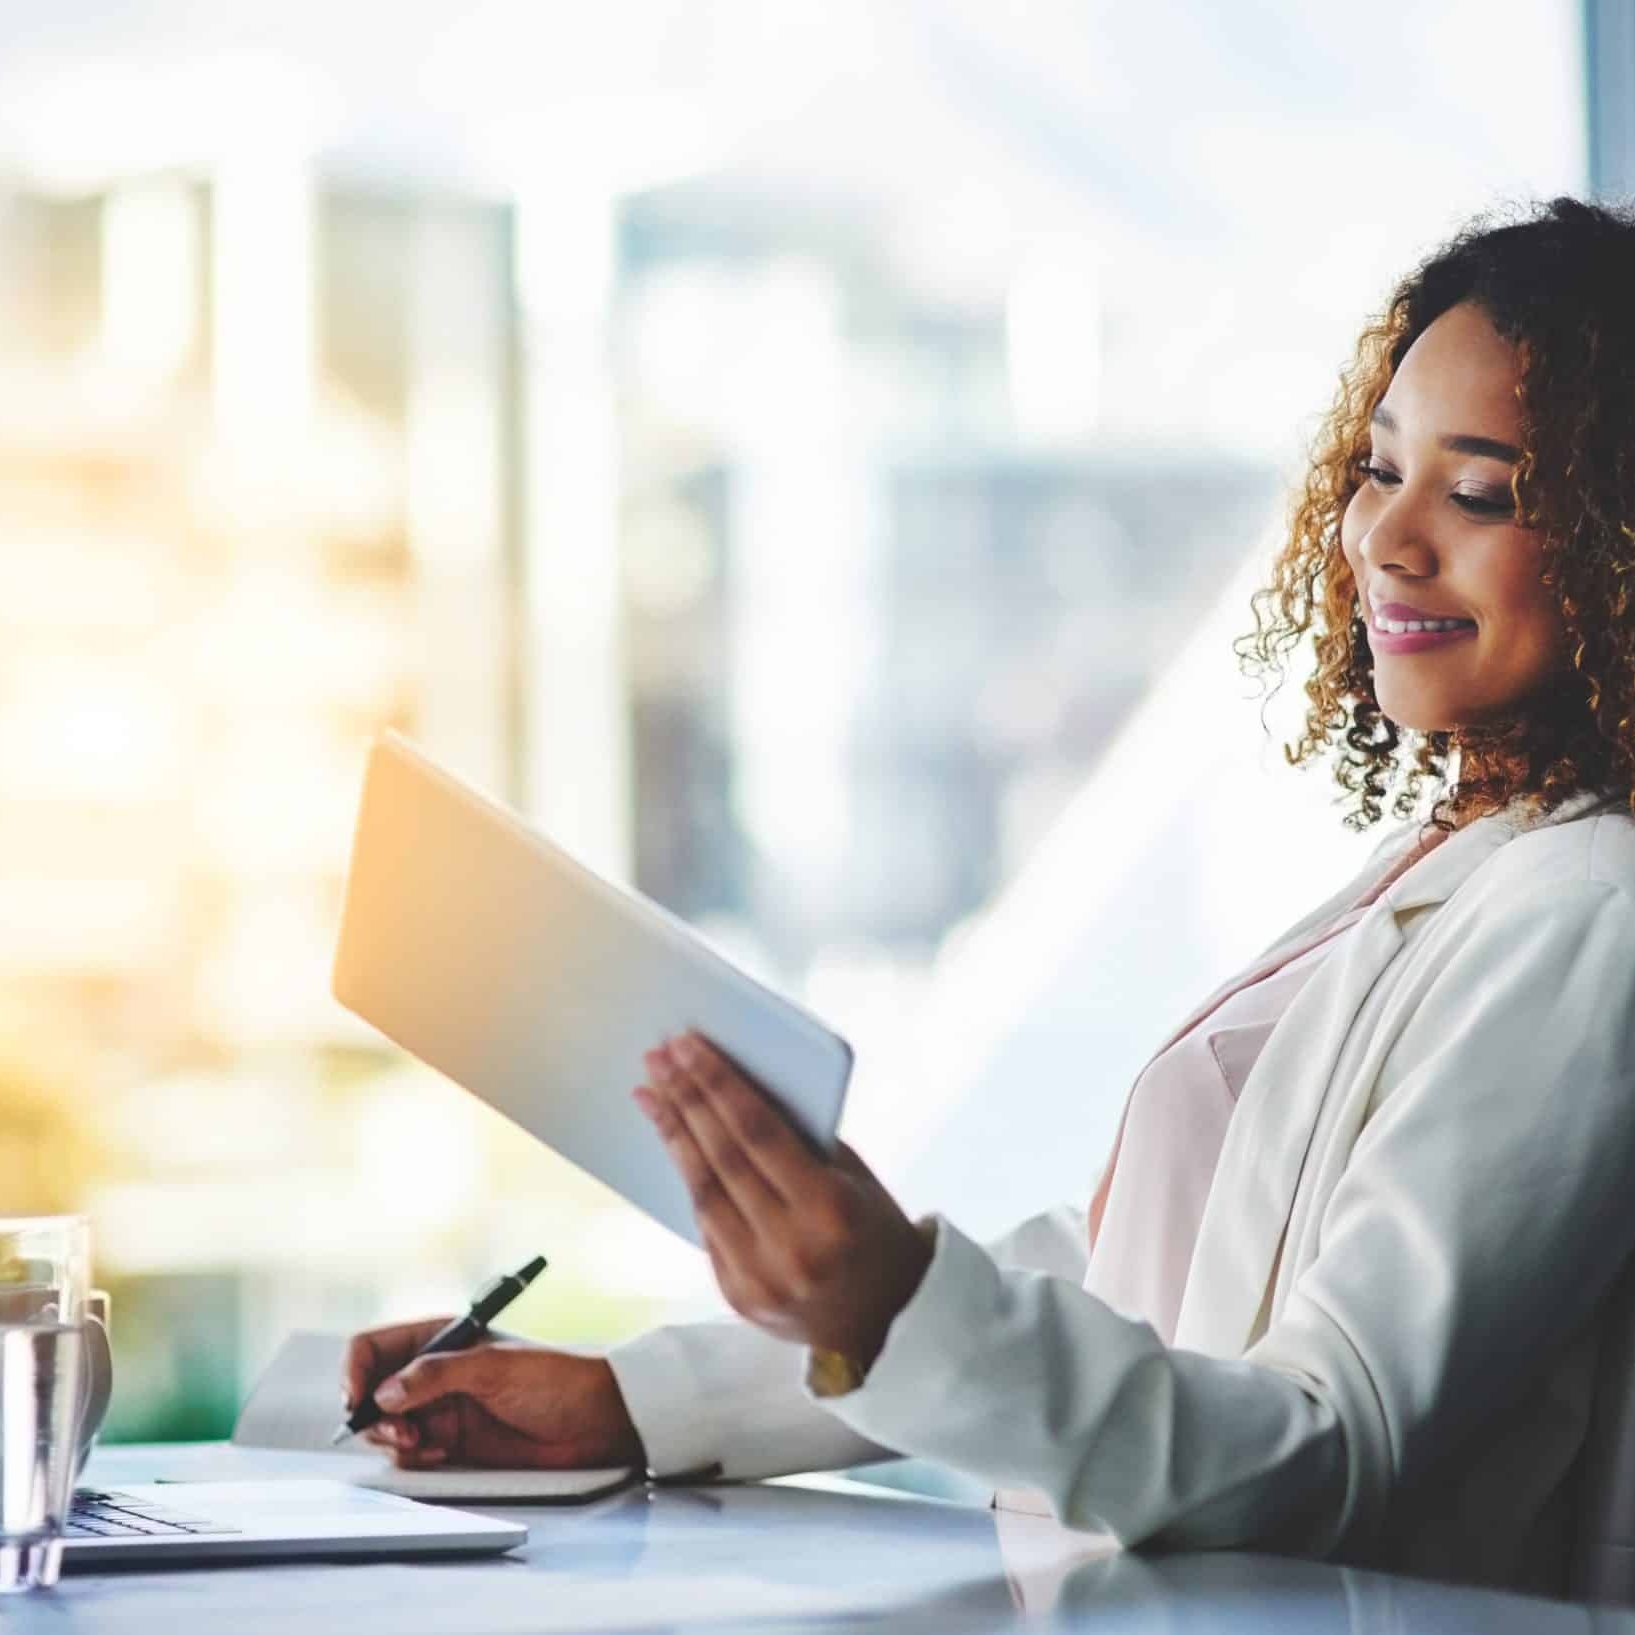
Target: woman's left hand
[812,1250]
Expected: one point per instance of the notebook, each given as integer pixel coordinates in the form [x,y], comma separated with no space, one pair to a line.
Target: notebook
[296,1405]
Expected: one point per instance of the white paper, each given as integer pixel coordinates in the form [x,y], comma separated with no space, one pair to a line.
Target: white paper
[296,1405]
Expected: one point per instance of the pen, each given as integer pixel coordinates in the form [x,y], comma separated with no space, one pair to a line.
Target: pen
[486,1305]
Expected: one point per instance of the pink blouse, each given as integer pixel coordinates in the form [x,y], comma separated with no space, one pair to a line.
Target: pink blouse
[1145,1216]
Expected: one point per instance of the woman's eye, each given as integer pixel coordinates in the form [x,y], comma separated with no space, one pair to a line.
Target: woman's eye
[1479,505]
[1476,505]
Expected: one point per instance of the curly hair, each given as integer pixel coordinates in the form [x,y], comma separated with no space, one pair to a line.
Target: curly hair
[1556,280]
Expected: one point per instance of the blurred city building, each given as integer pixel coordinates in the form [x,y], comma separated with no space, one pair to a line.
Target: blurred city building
[878,634]
[258,500]
[265,493]
[812,458]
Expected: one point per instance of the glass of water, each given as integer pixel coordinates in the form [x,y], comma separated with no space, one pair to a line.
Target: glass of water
[44,1270]
[41,1365]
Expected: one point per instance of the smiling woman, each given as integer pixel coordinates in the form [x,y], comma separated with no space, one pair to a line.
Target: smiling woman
[1478,465]
[1342,1287]
[1426,527]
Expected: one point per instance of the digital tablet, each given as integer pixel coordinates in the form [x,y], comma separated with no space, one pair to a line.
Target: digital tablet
[486,950]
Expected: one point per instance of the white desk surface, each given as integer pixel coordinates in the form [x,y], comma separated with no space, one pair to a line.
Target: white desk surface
[813,1553]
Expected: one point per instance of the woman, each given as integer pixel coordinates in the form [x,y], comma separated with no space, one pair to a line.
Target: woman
[1340,1288]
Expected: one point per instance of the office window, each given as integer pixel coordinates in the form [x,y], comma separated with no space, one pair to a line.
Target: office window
[813,458]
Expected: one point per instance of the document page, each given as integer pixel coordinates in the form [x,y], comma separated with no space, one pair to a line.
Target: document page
[296,1405]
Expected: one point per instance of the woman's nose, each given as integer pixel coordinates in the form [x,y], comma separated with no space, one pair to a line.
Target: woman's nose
[1397,536]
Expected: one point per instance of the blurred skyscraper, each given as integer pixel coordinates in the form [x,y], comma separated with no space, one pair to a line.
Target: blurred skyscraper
[800,454]
[878,633]
[259,498]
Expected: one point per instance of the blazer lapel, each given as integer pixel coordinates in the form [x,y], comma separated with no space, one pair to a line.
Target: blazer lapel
[1267,1142]
[1270,956]
[1275,951]
[1270,1132]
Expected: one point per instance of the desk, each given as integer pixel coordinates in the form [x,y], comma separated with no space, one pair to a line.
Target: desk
[801,1554]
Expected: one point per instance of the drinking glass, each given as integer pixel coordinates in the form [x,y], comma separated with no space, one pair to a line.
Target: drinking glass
[41,1369]
[44,1270]
[45,1264]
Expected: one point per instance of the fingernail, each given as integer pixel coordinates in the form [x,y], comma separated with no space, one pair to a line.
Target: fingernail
[686,1048]
[389,1394]
[660,1066]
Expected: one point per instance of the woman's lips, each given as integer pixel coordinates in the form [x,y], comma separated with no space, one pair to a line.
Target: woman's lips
[1416,641]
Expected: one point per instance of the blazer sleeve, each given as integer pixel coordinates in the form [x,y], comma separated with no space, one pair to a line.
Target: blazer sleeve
[724,1398]
[1481,1216]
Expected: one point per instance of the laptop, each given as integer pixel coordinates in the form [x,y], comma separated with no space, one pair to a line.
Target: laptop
[188,1523]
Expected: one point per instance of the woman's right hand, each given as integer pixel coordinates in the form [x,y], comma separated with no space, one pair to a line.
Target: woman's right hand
[502,1402]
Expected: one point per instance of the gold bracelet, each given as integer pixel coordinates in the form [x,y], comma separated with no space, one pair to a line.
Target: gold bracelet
[833,1373]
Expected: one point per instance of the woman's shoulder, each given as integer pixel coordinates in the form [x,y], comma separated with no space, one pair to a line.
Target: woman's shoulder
[1562,894]
[1596,847]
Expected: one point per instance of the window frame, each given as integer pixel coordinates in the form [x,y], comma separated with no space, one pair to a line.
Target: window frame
[1609,96]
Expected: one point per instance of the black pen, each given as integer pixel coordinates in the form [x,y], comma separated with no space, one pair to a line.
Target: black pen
[488,1303]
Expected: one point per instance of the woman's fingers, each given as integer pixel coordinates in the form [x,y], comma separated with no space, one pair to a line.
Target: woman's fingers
[411,1444]
[393,1432]
[848,1159]
[371,1356]
[741,1106]
[718,1214]
[430,1458]
[746,1183]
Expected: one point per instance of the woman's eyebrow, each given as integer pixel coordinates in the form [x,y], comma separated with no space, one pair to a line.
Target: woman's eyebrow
[1459,442]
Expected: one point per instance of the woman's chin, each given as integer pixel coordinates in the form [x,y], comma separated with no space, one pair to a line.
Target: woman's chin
[1416,717]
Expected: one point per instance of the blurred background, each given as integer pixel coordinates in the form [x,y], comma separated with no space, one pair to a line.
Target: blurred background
[812,456]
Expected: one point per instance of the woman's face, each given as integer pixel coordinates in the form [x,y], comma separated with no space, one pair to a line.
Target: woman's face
[1433,528]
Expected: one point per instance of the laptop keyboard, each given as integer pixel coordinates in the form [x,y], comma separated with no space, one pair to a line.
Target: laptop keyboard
[118,1515]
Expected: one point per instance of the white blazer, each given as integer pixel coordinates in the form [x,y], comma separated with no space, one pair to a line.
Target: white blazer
[1387,1339]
